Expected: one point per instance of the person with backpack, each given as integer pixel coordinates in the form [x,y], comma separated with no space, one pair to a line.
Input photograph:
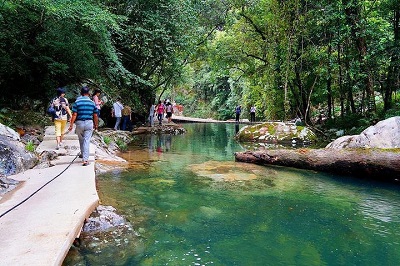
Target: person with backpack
[62,111]
[238,110]
[126,118]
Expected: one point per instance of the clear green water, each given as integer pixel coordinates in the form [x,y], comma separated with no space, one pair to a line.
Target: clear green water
[271,216]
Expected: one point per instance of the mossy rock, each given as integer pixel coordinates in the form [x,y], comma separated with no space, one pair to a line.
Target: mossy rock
[275,132]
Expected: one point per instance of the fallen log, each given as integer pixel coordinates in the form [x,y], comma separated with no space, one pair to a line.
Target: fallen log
[381,164]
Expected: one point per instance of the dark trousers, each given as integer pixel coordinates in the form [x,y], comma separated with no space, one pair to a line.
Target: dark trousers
[237,117]
[126,123]
[252,117]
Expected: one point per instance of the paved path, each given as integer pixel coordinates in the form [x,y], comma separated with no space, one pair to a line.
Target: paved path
[41,230]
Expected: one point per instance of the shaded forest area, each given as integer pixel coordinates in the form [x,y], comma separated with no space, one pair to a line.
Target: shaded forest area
[337,60]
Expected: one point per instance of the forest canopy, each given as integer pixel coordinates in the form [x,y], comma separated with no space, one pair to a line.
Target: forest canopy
[289,59]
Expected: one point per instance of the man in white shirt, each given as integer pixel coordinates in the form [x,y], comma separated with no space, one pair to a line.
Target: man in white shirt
[117,113]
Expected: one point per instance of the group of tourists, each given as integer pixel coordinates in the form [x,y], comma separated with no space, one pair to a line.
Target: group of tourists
[159,110]
[84,113]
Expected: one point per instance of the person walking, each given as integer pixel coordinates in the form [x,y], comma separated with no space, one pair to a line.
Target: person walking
[117,113]
[238,111]
[96,99]
[85,115]
[62,111]
[252,114]
[160,109]
[126,118]
[169,110]
[151,115]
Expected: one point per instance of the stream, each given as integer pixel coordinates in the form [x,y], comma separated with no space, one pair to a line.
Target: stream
[187,202]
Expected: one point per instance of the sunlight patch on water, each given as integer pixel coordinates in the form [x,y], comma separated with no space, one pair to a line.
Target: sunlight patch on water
[224,171]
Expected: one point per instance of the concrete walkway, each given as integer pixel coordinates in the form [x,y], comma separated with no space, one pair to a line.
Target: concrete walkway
[41,230]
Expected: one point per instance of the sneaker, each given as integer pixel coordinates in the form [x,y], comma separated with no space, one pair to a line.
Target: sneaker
[80,155]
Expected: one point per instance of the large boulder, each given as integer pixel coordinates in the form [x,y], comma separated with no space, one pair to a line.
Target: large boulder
[14,158]
[8,132]
[276,132]
[383,135]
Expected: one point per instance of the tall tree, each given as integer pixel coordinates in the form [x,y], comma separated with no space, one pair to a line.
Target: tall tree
[46,44]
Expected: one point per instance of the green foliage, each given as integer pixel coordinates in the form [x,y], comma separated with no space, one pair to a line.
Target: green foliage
[107,140]
[121,144]
[3,117]
[352,124]
[47,44]
[30,146]
[288,58]
[393,112]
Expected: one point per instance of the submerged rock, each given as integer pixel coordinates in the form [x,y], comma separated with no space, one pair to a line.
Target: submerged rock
[106,239]
[102,219]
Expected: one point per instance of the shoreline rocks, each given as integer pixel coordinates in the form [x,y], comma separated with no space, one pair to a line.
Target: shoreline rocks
[375,153]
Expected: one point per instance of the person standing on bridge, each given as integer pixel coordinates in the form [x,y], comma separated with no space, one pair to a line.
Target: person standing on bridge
[252,114]
[85,114]
[169,110]
[238,111]
[160,109]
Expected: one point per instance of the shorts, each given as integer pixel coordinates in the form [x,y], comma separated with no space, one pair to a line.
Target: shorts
[60,126]
[169,114]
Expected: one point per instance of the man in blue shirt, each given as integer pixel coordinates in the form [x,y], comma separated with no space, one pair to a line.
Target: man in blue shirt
[85,115]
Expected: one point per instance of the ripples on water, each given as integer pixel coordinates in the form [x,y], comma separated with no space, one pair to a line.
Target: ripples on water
[193,205]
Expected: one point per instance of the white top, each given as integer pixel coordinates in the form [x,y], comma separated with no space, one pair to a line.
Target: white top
[118,109]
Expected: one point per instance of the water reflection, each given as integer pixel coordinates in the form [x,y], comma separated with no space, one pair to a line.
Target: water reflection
[159,143]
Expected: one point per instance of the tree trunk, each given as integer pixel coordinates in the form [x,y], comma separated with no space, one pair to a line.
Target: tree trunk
[341,90]
[393,71]
[329,79]
[354,19]
[366,163]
